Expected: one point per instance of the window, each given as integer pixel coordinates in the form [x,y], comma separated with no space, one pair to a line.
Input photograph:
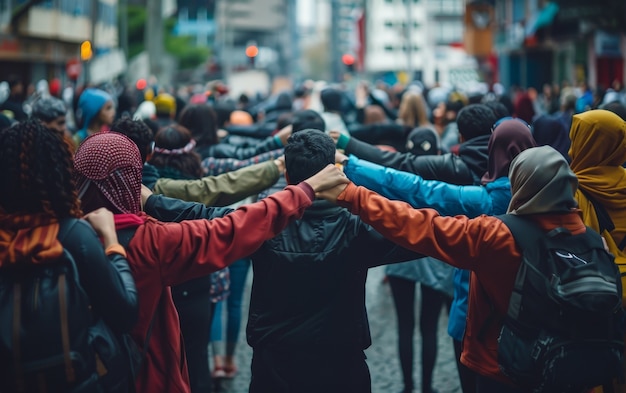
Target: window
[388,48]
[388,23]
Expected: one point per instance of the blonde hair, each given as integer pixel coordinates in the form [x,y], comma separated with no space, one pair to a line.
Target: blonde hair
[412,112]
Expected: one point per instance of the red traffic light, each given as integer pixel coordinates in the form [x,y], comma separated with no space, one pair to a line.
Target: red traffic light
[347,59]
[252,51]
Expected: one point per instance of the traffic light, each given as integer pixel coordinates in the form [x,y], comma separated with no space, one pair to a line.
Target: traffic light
[348,60]
[252,51]
[85,51]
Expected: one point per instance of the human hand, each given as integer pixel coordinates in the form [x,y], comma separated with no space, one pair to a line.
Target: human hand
[340,157]
[280,163]
[103,223]
[335,135]
[329,177]
[284,134]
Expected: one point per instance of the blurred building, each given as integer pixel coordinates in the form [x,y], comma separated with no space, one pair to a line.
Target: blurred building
[42,39]
[540,41]
[268,24]
[421,38]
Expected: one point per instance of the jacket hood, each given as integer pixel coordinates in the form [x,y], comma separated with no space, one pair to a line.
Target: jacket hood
[475,153]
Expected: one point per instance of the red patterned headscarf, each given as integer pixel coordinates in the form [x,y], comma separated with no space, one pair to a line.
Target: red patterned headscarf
[112,163]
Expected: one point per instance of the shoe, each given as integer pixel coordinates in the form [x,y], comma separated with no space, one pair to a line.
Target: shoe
[218,372]
[230,371]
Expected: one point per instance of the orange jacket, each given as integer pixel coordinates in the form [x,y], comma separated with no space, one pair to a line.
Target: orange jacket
[483,245]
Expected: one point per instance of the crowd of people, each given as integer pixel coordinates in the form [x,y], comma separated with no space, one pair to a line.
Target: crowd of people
[311,187]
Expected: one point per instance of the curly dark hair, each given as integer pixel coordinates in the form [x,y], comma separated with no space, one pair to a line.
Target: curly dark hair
[138,132]
[36,171]
[201,120]
[188,164]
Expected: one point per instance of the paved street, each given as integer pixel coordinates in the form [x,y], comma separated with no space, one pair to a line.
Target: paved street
[382,356]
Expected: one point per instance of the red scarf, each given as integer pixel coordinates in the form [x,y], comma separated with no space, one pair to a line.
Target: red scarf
[129,220]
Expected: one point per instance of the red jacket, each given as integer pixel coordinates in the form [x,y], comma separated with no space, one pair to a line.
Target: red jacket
[483,245]
[166,254]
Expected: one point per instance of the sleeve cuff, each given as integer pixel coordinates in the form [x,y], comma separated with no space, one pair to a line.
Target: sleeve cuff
[278,141]
[342,142]
[115,249]
[306,187]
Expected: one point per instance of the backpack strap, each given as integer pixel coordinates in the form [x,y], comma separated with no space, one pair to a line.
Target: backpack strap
[527,235]
[604,219]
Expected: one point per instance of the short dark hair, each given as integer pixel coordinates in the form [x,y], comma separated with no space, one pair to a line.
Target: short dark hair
[331,99]
[307,119]
[138,132]
[617,108]
[499,109]
[308,152]
[475,120]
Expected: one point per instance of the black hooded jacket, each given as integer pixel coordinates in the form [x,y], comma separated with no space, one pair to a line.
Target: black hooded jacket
[466,168]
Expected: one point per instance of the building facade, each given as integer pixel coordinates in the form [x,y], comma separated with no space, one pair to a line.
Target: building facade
[420,39]
[39,39]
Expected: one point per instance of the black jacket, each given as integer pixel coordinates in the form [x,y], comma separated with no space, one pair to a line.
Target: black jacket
[466,168]
[107,280]
[308,291]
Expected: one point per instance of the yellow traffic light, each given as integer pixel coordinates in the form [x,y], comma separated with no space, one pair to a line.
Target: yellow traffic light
[85,51]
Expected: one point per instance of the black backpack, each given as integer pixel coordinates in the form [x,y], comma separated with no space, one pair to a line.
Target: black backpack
[45,321]
[564,329]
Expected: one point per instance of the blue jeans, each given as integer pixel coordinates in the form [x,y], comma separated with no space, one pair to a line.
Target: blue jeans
[234,302]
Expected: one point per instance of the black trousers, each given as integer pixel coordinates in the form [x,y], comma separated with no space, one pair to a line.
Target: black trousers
[195,312]
[302,371]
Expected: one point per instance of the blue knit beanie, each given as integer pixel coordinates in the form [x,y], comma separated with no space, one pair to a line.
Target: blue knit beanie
[90,103]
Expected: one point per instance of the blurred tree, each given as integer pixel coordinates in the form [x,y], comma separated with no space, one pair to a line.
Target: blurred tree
[183,48]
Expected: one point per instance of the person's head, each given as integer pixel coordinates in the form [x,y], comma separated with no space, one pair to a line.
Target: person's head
[165,105]
[524,108]
[616,107]
[568,102]
[174,149]
[374,114]
[36,172]
[475,120]
[509,138]
[283,120]
[423,141]
[138,132]
[201,121]
[412,112]
[598,139]
[498,109]
[96,108]
[145,110]
[307,152]
[51,112]
[331,100]
[307,119]
[541,182]
[16,86]
[240,118]
[552,131]
[108,170]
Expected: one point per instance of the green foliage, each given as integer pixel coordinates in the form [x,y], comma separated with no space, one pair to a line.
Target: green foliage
[136,21]
[183,48]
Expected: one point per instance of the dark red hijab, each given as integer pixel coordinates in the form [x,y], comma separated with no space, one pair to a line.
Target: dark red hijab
[508,139]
